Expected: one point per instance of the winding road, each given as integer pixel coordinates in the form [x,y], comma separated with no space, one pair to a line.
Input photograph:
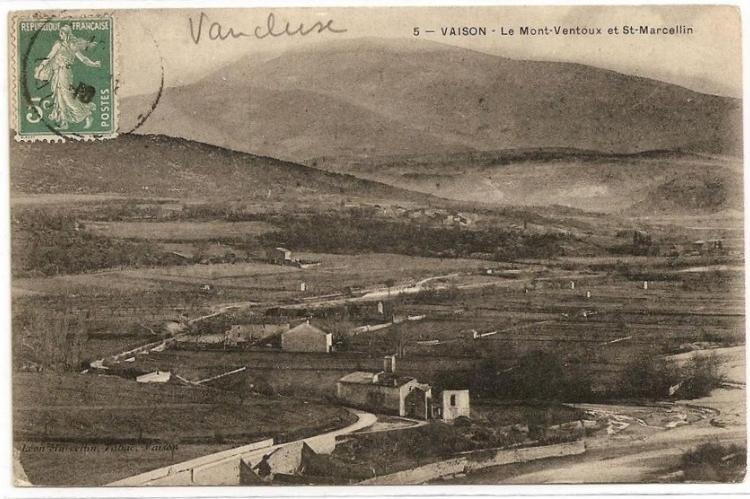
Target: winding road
[322,443]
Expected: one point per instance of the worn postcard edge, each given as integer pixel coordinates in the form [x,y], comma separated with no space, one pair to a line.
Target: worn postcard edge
[13,73]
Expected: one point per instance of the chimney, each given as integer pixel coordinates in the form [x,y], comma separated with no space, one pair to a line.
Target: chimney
[389,364]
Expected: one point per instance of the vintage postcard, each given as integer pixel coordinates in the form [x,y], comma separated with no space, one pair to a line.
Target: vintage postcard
[377,246]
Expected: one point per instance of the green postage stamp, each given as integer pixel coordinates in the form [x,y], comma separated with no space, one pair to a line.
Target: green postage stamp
[64,73]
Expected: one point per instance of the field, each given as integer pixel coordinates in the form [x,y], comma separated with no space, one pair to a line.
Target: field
[534,309]
[462,321]
[178,231]
[67,199]
[121,419]
[603,334]
[253,281]
[65,464]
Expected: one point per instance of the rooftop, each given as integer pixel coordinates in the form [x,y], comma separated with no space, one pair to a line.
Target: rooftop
[368,378]
[306,328]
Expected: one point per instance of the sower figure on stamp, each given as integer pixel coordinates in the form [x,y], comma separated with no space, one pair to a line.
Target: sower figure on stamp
[57,69]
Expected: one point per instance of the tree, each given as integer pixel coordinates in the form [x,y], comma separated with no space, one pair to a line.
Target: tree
[702,374]
[389,284]
[537,375]
[396,339]
[648,376]
[341,331]
[52,339]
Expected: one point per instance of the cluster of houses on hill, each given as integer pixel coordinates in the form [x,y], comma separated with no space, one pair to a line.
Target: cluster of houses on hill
[701,247]
[430,215]
[434,216]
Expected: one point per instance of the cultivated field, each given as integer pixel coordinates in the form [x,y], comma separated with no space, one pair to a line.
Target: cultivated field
[535,309]
[254,281]
[179,231]
[129,427]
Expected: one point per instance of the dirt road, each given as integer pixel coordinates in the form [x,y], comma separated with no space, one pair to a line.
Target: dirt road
[320,443]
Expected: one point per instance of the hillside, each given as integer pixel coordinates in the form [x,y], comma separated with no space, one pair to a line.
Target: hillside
[703,193]
[655,181]
[152,165]
[371,97]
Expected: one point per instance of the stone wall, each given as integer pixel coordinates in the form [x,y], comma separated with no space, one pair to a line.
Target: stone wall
[476,460]
[227,467]
[220,467]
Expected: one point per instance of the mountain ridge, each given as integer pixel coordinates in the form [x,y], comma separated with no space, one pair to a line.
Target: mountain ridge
[467,125]
[448,98]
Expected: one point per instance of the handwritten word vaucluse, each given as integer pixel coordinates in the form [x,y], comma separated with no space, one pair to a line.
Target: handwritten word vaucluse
[215,31]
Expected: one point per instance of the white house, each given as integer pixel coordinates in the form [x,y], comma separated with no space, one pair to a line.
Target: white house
[154,377]
[454,404]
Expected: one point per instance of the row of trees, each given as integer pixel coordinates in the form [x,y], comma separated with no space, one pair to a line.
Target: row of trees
[50,244]
[541,375]
[51,340]
[341,234]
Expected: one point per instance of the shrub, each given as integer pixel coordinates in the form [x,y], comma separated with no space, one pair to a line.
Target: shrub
[462,422]
[702,374]
[714,462]
[649,377]
[263,387]
[652,377]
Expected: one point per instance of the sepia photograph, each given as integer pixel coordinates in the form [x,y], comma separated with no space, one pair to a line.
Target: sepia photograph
[343,246]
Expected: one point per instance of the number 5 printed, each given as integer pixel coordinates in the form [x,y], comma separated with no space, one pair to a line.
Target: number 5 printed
[36,109]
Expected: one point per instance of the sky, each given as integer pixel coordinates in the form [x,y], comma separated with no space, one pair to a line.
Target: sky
[156,42]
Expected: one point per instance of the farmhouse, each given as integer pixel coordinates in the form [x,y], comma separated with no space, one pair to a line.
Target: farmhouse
[388,392]
[306,338]
[279,256]
[385,391]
